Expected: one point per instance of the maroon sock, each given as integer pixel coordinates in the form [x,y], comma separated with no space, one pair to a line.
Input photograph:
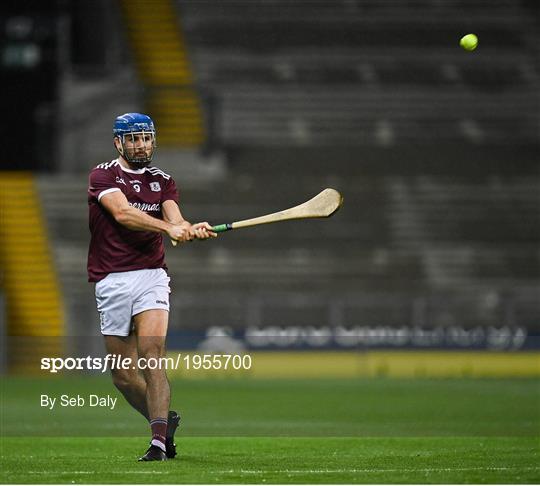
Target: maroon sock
[159,431]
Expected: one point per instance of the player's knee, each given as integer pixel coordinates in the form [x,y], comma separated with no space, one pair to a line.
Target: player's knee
[122,380]
[152,350]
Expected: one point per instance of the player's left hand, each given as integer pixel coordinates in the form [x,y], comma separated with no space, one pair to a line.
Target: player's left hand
[202,231]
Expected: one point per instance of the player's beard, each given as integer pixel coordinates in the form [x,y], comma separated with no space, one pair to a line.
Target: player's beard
[139,158]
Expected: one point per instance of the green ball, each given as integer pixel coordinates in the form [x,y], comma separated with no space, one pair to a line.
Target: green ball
[469,42]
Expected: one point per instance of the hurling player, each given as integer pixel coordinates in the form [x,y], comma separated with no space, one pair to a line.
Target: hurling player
[131,206]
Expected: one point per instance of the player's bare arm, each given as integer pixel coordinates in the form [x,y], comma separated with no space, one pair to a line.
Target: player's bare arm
[117,204]
[172,214]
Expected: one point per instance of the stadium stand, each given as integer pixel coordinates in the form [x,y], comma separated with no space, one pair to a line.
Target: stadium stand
[358,73]
[34,308]
[162,62]
[435,151]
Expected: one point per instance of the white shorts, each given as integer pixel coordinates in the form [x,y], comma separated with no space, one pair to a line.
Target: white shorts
[120,296]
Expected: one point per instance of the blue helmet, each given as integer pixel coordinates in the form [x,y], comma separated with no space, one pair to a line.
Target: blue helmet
[128,125]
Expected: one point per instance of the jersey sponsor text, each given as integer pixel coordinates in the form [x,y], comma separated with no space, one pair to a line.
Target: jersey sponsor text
[146,207]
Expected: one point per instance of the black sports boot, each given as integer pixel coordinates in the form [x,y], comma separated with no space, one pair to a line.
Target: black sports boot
[154,453]
[173,419]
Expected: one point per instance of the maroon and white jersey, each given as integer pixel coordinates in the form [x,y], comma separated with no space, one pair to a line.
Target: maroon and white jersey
[113,247]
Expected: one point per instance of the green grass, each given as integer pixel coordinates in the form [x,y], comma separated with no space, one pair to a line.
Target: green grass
[276,460]
[282,431]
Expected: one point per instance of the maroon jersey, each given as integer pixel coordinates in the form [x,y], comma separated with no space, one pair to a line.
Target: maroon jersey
[113,247]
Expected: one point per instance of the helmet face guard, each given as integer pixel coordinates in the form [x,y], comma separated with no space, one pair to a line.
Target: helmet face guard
[135,130]
[138,154]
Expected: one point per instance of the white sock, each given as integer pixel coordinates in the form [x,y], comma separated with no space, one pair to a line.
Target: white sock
[159,444]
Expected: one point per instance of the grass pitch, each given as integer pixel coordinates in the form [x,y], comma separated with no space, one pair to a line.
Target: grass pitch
[282,431]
